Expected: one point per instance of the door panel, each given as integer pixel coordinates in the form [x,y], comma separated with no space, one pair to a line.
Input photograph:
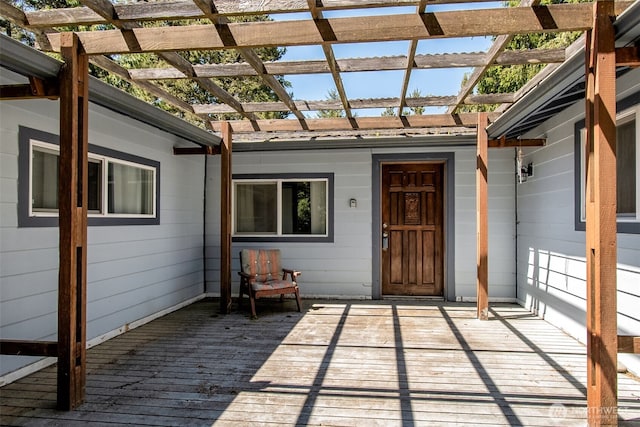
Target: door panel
[412,217]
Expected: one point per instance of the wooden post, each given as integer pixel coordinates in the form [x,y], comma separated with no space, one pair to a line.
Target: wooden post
[72,204]
[602,400]
[482,162]
[225,219]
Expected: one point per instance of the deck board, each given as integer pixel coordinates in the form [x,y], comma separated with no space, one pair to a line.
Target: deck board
[338,363]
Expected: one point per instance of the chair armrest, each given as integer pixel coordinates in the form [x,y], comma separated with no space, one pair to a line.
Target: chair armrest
[294,274]
[245,276]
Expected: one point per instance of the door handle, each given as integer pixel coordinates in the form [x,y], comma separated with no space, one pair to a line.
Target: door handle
[385,241]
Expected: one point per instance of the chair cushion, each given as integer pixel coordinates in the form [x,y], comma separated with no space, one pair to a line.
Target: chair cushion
[262,264]
[271,284]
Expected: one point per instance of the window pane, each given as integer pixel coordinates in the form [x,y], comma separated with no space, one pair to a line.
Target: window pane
[130,189]
[44,180]
[94,195]
[626,167]
[304,207]
[256,208]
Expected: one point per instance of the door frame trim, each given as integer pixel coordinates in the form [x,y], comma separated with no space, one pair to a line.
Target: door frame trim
[448,160]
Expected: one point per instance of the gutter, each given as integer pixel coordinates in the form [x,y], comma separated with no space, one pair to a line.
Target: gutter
[103,94]
[402,142]
[27,61]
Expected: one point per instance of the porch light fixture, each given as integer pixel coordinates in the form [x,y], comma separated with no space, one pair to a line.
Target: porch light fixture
[523,172]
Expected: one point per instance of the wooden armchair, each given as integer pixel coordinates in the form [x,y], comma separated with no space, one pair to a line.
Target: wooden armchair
[262,275]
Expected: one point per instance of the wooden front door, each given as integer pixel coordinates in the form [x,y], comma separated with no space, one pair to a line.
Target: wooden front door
[412,229]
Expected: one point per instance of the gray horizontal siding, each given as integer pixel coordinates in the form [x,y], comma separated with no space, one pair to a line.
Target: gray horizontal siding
[132,271]
[551,254]
[344,267]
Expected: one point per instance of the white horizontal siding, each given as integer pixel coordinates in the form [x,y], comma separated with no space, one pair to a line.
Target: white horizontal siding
[551,254]
[132,271]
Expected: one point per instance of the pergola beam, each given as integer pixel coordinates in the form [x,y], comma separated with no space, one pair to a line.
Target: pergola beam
[601,218]
[362,123]
[203,150]
[515,143]
[29,348]
[36,89]
[430,101]
[628,344]
[517,20]
[188,10]
[349,65]
[628,56]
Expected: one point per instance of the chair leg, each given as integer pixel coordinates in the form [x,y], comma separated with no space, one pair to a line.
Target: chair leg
[240,297]
[252,300]
[298,300]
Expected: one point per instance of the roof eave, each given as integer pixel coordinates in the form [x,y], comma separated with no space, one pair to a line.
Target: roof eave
[27,61]
[571,72]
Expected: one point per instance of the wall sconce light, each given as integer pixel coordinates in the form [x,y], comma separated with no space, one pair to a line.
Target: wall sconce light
[523,171]
[353,203]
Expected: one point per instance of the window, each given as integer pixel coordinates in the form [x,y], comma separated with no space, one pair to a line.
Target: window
[627,170]
[122,189]
[130,189]
[283,207]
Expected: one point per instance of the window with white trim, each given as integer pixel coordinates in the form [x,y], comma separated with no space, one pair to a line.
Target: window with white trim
[627,171]
[282,207]
[122,189]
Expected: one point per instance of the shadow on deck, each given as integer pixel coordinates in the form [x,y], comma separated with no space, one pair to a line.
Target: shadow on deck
[351,363]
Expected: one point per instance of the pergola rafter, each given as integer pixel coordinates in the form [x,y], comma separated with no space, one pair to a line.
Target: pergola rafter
[389,63]
[166,41]
[410,63]
[186,9]
[249,56]
[326,32]
[108,11]
[498,46]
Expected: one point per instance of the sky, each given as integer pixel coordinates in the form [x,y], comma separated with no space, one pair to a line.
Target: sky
[381,84]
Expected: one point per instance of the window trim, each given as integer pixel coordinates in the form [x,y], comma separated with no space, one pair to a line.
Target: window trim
[626,107]
[280,177]
[26,218]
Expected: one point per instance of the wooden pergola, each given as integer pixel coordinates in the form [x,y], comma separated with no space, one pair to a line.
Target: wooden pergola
[127,34]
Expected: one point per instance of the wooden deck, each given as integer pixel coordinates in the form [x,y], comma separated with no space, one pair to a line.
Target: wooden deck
[348,363]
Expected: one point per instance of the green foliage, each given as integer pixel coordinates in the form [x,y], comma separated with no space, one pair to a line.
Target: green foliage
[332,95]
[418,111]
[303,223]
[510,78]
[389,112]
[245,89]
